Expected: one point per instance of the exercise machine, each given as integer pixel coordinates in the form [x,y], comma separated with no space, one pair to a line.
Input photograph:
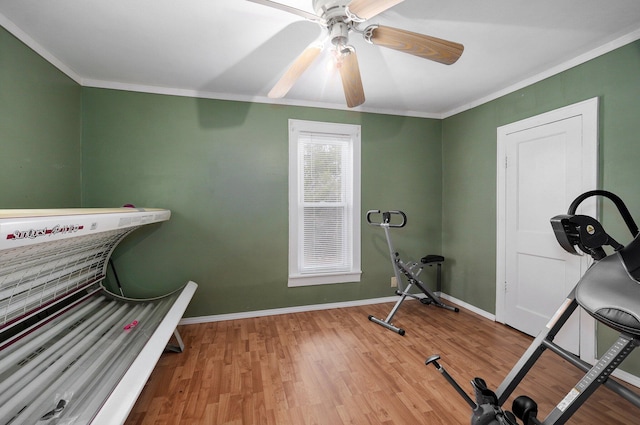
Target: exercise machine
[409,270]
[609,291]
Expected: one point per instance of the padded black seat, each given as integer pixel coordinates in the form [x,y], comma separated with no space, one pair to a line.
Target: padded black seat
[432,259]
[611,295]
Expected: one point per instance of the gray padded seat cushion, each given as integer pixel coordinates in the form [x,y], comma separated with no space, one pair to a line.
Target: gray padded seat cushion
[611,295]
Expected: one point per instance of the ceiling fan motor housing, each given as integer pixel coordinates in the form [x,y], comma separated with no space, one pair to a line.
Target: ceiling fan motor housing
[329,9]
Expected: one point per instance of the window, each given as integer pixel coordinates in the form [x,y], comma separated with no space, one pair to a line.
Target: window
[324,203]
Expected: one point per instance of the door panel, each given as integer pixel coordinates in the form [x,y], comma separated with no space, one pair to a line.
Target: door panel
[544,162]
[542,178]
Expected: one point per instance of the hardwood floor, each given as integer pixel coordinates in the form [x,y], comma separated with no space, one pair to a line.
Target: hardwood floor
[336,367]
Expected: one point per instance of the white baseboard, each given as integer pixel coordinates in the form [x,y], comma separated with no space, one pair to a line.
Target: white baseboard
[284,310]
[469,307]
[627,377]
[327,306]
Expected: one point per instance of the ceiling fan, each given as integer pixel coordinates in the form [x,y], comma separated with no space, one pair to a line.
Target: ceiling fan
[341,17]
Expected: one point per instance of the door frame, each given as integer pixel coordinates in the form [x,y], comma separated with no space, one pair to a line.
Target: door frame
[588,110]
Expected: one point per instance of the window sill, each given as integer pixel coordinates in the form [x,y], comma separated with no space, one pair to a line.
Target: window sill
[323,279]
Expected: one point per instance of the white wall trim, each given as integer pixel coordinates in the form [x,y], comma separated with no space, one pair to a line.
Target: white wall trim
[285,310]
[36,47]
[623,40]
[627,377]
[346,139]
[469,307]
[587,108]
[202,94]
[578,60]
[629,37]
[327,306]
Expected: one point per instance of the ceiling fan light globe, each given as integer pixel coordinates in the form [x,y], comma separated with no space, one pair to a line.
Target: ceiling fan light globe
[339,33]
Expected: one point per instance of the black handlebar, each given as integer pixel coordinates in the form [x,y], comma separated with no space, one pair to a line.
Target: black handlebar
[586,232]
[622,208]
[386,218]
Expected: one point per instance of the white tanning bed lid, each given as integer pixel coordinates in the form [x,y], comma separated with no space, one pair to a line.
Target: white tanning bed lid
[20,227]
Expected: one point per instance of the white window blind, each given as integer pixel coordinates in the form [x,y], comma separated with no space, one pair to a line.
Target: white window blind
[325,239]
[324,203]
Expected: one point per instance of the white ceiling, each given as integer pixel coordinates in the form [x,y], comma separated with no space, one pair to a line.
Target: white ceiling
[235,49]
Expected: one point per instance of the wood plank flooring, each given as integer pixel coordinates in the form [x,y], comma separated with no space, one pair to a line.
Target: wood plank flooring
[336,367]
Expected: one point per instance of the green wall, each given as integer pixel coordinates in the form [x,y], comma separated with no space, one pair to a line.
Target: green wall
[469,165]
[40,131]
[221,167]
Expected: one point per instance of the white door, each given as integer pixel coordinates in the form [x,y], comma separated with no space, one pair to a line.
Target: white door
[540,184]
[547,163]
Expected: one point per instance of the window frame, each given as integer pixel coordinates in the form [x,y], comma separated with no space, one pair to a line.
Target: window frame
[296,277]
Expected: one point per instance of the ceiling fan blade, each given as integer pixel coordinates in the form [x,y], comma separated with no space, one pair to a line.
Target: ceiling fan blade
[304,14]
[432,48]
[351,80]
[367,9]
[294,72]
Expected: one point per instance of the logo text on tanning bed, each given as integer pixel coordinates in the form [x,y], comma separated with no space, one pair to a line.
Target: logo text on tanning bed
[45,231]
